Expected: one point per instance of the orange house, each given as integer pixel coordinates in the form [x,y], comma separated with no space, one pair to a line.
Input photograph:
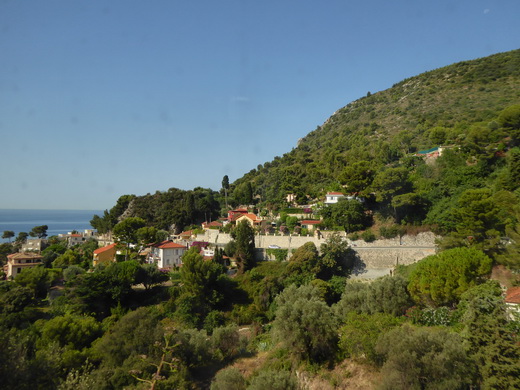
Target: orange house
[105,254]
[252,219]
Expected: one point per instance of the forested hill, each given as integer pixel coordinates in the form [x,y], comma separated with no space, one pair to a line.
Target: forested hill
[367,147]
[458,105]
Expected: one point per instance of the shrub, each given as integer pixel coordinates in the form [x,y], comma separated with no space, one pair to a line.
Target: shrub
[226,342]
[390,231]
[304,324]
[193,347]
[430,316]
[213,320]
[424,358]
[71,272]
[368,236]
[228,378]
[354,236]
[358,337]
[279,254]
[274,380]
[384,295]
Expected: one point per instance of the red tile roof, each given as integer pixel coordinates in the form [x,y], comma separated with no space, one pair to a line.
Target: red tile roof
[335,193]
[310,222]
[212,224]
[170,245]
[24,256]
[104,249]
[252,217]
[513,295]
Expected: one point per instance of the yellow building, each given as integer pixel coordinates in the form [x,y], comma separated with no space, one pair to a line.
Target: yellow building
[105,254]
[251,219]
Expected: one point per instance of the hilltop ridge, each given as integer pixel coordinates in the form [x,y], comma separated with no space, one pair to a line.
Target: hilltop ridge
[442,106]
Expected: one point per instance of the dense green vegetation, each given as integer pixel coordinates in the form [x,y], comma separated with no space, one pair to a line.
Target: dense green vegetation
[174,209]
[442,325]
[438,324]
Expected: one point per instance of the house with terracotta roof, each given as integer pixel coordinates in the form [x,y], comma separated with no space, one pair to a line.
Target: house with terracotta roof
[17,262]
[333,197]
[513,302]
[73,238]
[252,219]
[310,225]
[187,235]
[167,254]
[105,254]
[232,214]
[212,225]
[77,238]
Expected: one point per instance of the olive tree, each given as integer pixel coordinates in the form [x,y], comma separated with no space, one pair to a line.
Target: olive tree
[304,324]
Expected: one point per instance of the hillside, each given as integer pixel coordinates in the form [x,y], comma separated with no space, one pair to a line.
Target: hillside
[369,148]
[68,322]
[454,105]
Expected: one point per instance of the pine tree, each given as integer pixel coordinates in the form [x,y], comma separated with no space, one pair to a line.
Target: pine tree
[244,236]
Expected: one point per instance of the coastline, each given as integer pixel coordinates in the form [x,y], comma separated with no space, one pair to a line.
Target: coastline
[58,221]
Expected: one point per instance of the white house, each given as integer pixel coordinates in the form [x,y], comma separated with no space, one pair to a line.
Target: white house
[333,197]
[167,254]
[34,245]
[512,300]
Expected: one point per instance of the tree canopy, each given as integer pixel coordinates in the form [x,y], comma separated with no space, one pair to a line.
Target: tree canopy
[441,279]
[39,231]
[244,237]
[304,324]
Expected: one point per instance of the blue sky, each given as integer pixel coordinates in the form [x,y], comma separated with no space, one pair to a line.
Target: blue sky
[104,98]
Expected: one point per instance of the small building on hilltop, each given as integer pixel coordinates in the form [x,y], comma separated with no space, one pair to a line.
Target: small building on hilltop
[333,197]
[17,262]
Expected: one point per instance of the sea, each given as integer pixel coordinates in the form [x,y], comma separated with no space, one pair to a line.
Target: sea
[58,221]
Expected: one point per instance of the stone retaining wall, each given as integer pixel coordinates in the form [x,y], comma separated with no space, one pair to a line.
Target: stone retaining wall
[374,258]
[380,254]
